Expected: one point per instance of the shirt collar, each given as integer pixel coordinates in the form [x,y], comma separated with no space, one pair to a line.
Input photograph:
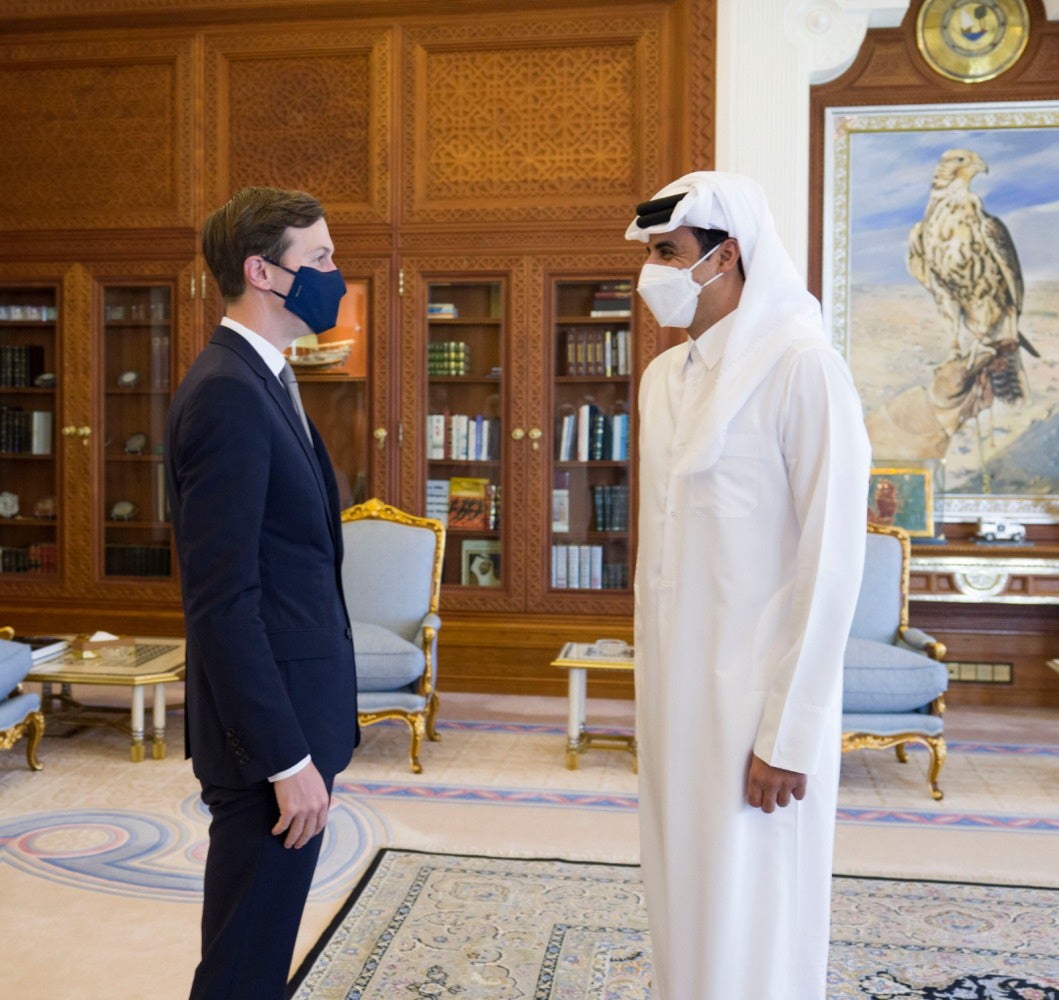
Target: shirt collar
[709,346]
[270,354]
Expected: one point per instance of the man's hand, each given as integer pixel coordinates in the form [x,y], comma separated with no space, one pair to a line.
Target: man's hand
[768,786]
[303,804]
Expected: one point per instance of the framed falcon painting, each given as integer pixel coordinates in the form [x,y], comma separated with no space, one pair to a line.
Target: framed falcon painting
[941,286]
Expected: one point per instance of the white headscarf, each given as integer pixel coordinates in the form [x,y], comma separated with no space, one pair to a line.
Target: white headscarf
[775,308]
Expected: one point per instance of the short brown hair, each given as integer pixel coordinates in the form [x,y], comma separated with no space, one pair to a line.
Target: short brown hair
[253,221]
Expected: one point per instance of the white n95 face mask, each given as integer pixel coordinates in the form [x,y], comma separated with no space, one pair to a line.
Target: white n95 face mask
[671,293]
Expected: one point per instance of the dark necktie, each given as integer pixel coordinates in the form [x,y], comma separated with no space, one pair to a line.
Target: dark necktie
[286,376]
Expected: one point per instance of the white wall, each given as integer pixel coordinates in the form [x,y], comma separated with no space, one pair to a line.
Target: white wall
[769,52]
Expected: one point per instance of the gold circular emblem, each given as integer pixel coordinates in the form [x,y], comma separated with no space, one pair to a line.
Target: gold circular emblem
[972,40]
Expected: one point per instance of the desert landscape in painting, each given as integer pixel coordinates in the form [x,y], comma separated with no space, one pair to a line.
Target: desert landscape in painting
[897,340]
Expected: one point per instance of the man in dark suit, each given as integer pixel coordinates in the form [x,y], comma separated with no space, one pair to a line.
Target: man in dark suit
[271,682]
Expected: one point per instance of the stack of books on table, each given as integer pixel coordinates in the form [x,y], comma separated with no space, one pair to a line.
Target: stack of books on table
[43,647]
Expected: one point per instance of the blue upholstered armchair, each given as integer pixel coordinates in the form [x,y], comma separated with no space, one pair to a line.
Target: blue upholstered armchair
[391,573]
[20,713]
[893,684]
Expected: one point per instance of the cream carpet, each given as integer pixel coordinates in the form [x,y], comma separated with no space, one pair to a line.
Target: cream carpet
[435,925]
[100,859]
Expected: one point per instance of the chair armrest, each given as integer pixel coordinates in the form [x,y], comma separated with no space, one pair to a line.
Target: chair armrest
[920,640]
[430,621]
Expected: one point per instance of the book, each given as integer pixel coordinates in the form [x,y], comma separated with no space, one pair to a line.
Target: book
[567,430]
[585,413]
[43,647]
[40,432]
[436,436]
[596,567]
[560,511]
[573,567]
[438,500]
[468,503]
[560,579]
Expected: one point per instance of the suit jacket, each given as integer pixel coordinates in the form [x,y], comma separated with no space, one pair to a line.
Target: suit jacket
[270,667]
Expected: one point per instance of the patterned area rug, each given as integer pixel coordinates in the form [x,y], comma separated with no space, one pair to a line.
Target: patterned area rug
[440,925]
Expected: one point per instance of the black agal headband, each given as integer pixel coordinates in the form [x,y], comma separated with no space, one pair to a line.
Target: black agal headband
[658,211]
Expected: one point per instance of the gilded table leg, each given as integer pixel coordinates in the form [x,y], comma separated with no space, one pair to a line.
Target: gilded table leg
[136,752]
[34,731]
[158,745]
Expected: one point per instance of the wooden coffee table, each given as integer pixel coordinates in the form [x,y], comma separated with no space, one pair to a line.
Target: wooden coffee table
[578,658]
[150,663]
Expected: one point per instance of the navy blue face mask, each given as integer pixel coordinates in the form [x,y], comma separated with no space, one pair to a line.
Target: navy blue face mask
[313,296]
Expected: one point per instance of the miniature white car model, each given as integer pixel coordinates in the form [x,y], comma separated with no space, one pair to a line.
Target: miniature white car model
[1001,531]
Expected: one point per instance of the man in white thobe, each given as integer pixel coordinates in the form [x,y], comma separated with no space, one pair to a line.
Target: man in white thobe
[754,467]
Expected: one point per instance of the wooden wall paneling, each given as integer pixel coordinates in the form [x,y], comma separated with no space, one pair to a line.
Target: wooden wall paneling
[492,653]
[98,131]
[555,118]
[306,107]
[1025,637]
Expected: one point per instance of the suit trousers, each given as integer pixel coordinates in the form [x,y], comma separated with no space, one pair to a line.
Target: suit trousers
[254,893]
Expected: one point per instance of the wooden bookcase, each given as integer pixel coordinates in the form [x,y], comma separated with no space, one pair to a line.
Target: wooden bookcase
[488,160]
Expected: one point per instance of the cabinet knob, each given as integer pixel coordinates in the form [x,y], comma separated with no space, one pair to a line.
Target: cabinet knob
[380,435]
[84,433]
[518,434]
[535,436]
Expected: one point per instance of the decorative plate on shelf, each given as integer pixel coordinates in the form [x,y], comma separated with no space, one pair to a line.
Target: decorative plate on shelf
[321,357]
[972,40]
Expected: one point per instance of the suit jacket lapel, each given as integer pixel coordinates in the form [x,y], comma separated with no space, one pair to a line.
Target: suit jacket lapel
[225,337]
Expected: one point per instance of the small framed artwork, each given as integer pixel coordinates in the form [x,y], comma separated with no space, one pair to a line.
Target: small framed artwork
[903,495]
[480,562]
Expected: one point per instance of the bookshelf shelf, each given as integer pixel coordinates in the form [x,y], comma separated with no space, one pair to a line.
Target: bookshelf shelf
[28,463]
[137,347]
[592,363]
[465,454]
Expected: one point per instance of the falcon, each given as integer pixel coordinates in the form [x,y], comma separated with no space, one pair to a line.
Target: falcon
[966,259]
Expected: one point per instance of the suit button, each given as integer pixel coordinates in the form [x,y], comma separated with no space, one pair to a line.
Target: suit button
[349,632]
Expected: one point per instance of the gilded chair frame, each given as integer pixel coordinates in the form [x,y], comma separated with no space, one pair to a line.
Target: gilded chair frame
[420,723]
[936,651]
[32,726]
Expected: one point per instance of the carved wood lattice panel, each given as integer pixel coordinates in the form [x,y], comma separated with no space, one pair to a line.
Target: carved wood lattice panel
[519,121]
[96,137]
[307,110]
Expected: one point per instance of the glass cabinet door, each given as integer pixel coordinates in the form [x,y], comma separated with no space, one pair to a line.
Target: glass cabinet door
[592,357]
[137,386]
[332,372]
[29,360]
[463,434]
